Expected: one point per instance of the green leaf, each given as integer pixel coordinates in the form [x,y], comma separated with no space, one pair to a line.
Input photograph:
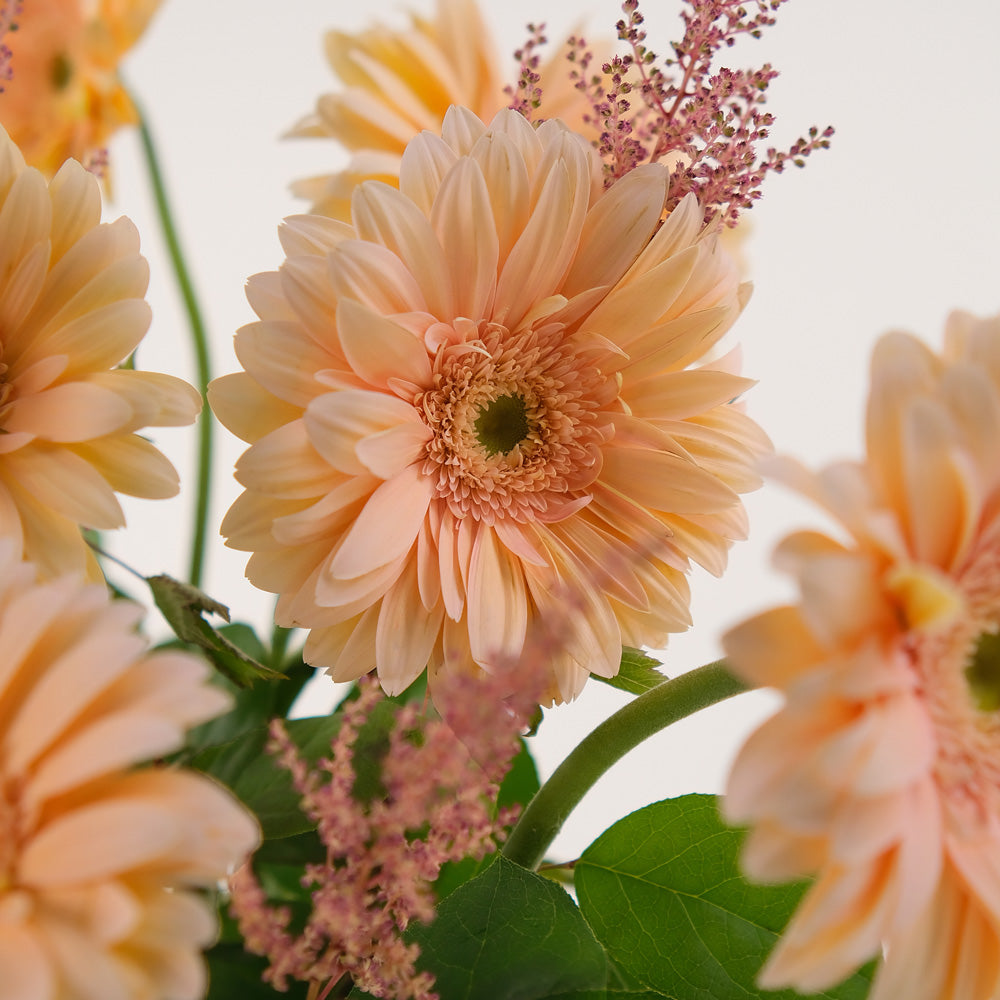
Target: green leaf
[183,607]
[254,707]
[509,935]
[637,674]
[245,766]
[663,892]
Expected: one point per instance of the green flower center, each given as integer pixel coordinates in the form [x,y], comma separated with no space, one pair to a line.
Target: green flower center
[983,673]
[62,71]
[502,424]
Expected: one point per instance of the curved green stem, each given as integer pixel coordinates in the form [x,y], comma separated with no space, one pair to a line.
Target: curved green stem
[200,342]
[606,745]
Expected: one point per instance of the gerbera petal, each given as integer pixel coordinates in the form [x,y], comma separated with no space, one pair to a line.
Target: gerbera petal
[497,600]
[379,350]
[388,524]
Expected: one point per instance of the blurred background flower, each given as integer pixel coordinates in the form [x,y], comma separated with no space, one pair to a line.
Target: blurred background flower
[102,861]
[890,667]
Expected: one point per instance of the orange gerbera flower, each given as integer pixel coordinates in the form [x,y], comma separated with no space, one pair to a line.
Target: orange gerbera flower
[99,857]
[890,666]
[475,416]
[398,82]
[71,308]
[66,99]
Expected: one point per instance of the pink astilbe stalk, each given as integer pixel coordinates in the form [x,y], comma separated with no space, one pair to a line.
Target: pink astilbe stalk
[384,855]
[706,124]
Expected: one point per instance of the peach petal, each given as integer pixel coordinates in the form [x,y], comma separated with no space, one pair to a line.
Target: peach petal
[246,408]
[497,600]
[406,633]
[388,524]
[383,215]
[63,482]
[618,228]
[462,217]
[285,464]
[27,971]
[379,350]
[74,411]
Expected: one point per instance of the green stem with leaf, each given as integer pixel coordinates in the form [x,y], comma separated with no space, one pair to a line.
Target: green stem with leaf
[199,340]
[606,745]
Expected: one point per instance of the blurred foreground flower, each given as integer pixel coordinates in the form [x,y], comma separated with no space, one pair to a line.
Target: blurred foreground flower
[65,98]
[97,856]
[891,670]
[439,785]
[399,82]
[71,308]
[474,417]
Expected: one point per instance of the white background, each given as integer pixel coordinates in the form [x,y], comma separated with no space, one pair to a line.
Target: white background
[891,228]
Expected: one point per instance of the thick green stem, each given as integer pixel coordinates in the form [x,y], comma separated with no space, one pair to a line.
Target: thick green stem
[606,745]
[200,342]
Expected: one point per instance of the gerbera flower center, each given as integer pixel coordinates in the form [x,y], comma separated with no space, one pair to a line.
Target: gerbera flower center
[983,672]
[502,424]
[517,421]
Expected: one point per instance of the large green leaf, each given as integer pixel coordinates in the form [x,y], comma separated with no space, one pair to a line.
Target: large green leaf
[509,934]
[663,892]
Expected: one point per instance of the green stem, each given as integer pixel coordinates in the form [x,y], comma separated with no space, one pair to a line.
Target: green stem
[606,745]
[200,341]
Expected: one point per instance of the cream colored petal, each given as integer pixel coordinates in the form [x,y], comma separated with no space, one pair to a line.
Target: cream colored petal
[677,395]
[156,399]
[320,521]
[388,452]
[663,481]
[285,464]
[461,128]
[357,655]
[247,409]
[99,655]
[25,221]
[62,481]
[307,234]
[544,252]
[266,296]
[111,744]
[370,274]
[24,285]
[424,164]
[943,504]
[773,648]
[362,121]
[618,227]
[384,215]
[378,349]
[27,970]
[462,217]
[76,206]
[106,838]
[388,525]
[508,186]
[406,633]
[497,601]
[306,285]
[73,411]
[95,341]
[281,358]
[672,345]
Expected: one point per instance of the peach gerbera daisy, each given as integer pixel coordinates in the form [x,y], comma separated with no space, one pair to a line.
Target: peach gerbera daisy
[98,857]
[473,415]
[890,666]
[66,99]
[398,82]
[71,308]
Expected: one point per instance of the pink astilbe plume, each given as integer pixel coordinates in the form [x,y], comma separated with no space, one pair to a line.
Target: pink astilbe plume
[440,780]
[9,11]
[706,123]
